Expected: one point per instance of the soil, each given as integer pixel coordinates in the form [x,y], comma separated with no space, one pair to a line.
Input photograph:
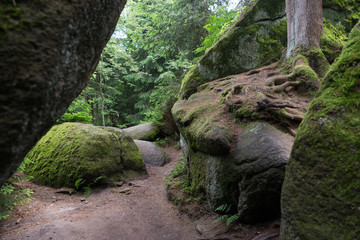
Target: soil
[143,212]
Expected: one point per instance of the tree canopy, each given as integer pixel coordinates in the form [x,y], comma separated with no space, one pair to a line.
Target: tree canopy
[141,68]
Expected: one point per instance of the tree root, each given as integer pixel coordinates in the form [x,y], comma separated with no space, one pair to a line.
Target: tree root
[277,80]
[286,84]
[291,117]
[264,103]
[254,71]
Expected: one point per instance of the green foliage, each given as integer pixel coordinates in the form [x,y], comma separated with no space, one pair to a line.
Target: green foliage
[87,189]
[216,26]
[78,111]
[226,216]
[143,63]
[12,195]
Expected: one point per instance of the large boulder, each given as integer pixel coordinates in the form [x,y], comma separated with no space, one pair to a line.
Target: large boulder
[151,154]
[260,157]
[71,151]
[146,131]
[320,195]
[249,178]
[242,166]
[256,39]
[48,51]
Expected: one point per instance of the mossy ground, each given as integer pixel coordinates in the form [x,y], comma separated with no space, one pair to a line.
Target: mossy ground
[326,153]
[71,151]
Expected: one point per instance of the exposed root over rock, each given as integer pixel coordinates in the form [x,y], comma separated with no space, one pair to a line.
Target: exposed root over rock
[268,94]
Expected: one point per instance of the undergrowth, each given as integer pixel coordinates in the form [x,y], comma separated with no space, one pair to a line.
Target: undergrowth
[86,188]
[11,193]
[226,216]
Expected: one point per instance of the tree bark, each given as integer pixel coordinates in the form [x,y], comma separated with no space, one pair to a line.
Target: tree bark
[101,93]
[304,24]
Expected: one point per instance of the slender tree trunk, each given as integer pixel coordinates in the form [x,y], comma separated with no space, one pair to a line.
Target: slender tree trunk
[102,95]
[304,24]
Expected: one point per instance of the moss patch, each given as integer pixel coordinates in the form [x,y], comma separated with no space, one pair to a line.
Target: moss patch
[199,122]
[324,169]
[256,39]
[71,151]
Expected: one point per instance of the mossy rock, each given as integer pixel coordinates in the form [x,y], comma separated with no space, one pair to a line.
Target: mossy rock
[259,37]
[71,151]
[256,39]
[320,194]
[199,122]
[145,131]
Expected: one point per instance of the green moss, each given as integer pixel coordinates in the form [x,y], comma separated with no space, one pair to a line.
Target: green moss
[10,19]
[326,154]
[198,119]
[332,40]
[198,163]
[190,82]
[271,47]
[235,52]
[351,6]
[246,113]
[71,151]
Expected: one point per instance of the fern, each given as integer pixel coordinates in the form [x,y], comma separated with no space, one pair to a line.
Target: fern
[78,183]
[231,219]
[228,218]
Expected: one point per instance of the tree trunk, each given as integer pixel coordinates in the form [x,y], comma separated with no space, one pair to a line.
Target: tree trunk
[102,94]
[304,24]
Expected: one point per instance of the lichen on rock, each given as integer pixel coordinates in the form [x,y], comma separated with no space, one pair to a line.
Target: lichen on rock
[71,151]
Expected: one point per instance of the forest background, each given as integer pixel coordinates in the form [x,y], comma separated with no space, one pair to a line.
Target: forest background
[141,67]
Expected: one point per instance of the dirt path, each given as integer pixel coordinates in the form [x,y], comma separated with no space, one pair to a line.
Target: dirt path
[107,213]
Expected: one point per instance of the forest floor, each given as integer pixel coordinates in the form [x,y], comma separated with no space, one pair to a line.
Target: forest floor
[144,214]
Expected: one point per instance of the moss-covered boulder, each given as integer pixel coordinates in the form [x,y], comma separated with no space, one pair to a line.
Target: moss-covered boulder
[320,195]
[71,151]
[259,37]
[256,39]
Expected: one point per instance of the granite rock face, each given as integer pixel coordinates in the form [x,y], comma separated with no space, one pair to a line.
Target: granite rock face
[48,51]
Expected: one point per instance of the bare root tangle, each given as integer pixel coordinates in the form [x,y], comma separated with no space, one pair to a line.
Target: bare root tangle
[286,84]
[292,117]
[254,71]
[277,80]
[264,103]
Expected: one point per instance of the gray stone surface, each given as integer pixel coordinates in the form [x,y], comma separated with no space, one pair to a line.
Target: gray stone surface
[152,154]
[261,154]
[249,178]
[48,51]
[146,131]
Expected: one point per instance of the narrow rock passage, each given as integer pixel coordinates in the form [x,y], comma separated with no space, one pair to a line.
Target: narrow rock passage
[145,214]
